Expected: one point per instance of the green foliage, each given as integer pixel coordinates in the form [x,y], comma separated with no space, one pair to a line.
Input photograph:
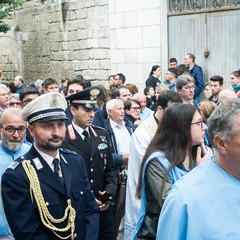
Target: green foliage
[6,9]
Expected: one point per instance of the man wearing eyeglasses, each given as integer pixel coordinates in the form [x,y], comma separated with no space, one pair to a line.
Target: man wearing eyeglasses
[27,95]
[46,194]
[185,87]
[13,133]
[204,204]
[93,143]
[4,94]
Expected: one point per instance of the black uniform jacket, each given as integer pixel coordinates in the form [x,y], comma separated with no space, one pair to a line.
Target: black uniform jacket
[102,173]
[22,212]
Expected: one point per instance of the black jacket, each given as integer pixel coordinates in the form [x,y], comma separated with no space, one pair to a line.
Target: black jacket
[101,171]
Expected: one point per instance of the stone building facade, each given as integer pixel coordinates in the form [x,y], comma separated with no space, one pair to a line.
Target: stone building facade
[94,38]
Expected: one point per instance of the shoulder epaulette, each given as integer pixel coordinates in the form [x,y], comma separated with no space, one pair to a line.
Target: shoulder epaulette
[13,165]
[71,132]
[16,163]
[67,151]
[98,127]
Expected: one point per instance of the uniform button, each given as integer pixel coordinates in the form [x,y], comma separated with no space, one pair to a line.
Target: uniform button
[47,203]
[92,191]
[91,181]
[91,169]
[81,192]
[74,235]
[91,159]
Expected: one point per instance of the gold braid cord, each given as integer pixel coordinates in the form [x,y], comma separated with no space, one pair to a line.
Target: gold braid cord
[47,219]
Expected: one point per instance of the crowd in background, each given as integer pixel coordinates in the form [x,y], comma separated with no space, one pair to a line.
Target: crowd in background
[153,136]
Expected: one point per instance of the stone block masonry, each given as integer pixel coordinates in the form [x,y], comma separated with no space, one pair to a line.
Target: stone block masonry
[60,39]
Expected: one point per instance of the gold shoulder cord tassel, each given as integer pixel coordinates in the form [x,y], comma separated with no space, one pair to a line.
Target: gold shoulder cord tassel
[47,219]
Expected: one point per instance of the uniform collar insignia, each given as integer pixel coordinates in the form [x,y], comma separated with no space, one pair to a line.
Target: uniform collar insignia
[37,163]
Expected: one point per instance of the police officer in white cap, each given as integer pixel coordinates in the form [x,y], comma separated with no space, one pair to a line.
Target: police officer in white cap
[93,143]
[46,193]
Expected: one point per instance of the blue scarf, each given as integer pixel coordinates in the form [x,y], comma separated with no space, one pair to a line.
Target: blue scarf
[174,175]
[236,88]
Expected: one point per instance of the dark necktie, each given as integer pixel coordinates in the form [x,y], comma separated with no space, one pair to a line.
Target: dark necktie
[86,137]
[56,163]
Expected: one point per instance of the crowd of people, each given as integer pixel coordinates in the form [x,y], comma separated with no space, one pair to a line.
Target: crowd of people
[87,162]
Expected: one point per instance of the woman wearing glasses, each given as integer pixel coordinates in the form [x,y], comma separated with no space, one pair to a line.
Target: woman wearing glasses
[132,112]
[168,157]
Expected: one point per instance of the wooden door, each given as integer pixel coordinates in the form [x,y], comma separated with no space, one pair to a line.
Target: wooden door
[211,34]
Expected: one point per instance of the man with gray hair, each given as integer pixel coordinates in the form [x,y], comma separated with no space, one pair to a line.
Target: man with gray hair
[4,94]
[145,111]
[14,101]
[13,133]
[185,87]
[119,131]
[204,204]
[19,83]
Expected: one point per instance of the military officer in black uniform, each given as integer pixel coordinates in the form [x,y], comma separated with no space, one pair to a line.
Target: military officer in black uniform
[46,193]
[93,143]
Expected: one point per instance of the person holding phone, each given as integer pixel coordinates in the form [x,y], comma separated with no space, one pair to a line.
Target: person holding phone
[168,158]
[204,204]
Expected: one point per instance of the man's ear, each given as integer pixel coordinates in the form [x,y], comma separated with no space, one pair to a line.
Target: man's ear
[219,144]
[110,112]
[160,109]
[127,111]
[31,129]
[72,110]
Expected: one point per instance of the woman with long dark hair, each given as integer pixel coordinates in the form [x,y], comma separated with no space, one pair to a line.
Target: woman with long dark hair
[154,75]
[168,157]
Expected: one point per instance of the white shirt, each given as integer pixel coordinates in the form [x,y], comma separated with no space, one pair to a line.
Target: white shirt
[48,158]
[122,137]
[80,130]
[139,142]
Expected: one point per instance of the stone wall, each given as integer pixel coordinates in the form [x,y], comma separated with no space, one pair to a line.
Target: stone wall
[94,38]
[136,37]
[10,55]
[63,39]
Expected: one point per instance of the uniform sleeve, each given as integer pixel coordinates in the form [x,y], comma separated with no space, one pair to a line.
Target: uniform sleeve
[91,209]
[19,209]
[111,173]
[173,219]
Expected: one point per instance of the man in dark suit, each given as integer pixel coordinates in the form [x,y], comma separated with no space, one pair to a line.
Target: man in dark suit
[46,193]
[93,143]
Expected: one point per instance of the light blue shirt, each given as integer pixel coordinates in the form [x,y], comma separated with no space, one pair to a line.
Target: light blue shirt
[6,158]
[146,113]
[204,204]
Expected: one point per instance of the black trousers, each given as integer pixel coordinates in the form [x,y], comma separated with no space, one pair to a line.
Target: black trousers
[106,225]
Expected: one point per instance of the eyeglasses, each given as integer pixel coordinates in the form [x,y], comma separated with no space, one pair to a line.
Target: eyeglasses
[135,108]
[199,123]
[5,94]
[12,130]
